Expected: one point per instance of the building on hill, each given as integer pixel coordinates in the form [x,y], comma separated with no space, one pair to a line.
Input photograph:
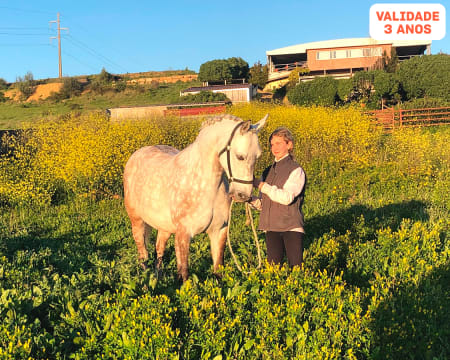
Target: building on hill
[338,58]
[234,92]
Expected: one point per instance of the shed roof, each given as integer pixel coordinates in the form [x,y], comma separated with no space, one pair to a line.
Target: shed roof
[218,87]
[302,48]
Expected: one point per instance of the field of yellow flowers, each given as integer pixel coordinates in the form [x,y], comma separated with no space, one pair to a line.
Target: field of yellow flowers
[375,282]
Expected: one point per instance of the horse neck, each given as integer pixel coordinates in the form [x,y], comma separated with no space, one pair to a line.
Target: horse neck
[202,155]
[205,150]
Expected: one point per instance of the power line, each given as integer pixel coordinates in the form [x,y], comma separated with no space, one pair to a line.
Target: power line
[25,10]
[24,34]
[81,62]
[94,53]
[22,28]
[23,44]
[80,26]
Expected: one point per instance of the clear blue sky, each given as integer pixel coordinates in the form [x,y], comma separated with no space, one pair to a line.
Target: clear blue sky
[137,36]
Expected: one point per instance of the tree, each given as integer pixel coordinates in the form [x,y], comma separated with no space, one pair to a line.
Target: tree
[239,68]
[294,76]
[258,75]
[215,70]
[388,63]
[105,77]
[225,69]
[387,86]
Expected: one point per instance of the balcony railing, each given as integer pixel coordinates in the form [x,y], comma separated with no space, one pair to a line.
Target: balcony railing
[288,67]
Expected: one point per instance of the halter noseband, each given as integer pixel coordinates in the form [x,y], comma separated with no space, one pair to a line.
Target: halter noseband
[227,148]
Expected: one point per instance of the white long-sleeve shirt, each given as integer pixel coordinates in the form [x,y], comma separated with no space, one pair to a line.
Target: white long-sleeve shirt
[290,190]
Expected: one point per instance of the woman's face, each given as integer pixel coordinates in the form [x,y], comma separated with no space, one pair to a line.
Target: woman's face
[280,147]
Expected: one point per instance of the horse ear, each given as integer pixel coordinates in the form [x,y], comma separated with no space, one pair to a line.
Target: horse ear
[255,128]
[245,126]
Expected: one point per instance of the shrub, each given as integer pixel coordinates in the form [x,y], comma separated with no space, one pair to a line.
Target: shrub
[345,90]
[204,96]
[372,86]
[320,91]
[120,86]
[425,102]
[3,84]
[26,85]
[83,154]
[103,82]
[80,155]
[71,87]
[426,76]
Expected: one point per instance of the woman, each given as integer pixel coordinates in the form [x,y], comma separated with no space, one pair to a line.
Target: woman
[282,187]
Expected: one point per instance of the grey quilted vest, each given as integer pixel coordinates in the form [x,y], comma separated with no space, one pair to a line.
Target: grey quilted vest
[275,216]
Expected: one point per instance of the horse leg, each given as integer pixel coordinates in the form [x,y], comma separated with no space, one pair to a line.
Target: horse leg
[217,230]
[218,239]
[182,240]
[140,229]
[161,241]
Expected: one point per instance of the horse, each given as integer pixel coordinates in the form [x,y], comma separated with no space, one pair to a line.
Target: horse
[188,192]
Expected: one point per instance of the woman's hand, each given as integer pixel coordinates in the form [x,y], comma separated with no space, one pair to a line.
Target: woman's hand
[260,185]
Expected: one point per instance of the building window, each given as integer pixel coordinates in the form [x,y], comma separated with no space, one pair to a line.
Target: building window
[323,55]
[348,53]
[367,52]
[376,51]
[341,54]
[332,54]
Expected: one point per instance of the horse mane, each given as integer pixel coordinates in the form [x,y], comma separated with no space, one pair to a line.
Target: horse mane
[215,119]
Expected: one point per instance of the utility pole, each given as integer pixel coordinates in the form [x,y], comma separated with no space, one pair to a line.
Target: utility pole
[59,41]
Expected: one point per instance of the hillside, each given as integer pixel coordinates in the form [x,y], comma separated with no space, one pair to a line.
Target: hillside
[140,89]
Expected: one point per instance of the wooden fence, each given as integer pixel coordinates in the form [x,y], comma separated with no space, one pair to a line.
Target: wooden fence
[391,118]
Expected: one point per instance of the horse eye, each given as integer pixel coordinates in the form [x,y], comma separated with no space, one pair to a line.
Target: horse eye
[240,157]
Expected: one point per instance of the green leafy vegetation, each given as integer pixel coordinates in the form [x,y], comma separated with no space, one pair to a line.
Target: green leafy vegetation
[258,75]
[320,91]
[419,80]
[426,76]
[375,282]
[26,85]
[224,69]
[203,97]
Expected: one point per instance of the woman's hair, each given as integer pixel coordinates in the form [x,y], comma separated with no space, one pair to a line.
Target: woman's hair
[286,134]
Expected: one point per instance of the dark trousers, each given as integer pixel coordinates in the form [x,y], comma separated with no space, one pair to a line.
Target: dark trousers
[290,242]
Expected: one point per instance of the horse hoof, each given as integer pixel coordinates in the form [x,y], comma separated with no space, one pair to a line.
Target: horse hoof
[144,265]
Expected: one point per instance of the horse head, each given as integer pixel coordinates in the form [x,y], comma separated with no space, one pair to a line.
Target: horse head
[239,156]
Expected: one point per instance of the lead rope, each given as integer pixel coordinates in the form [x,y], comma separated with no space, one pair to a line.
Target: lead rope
[249,216]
